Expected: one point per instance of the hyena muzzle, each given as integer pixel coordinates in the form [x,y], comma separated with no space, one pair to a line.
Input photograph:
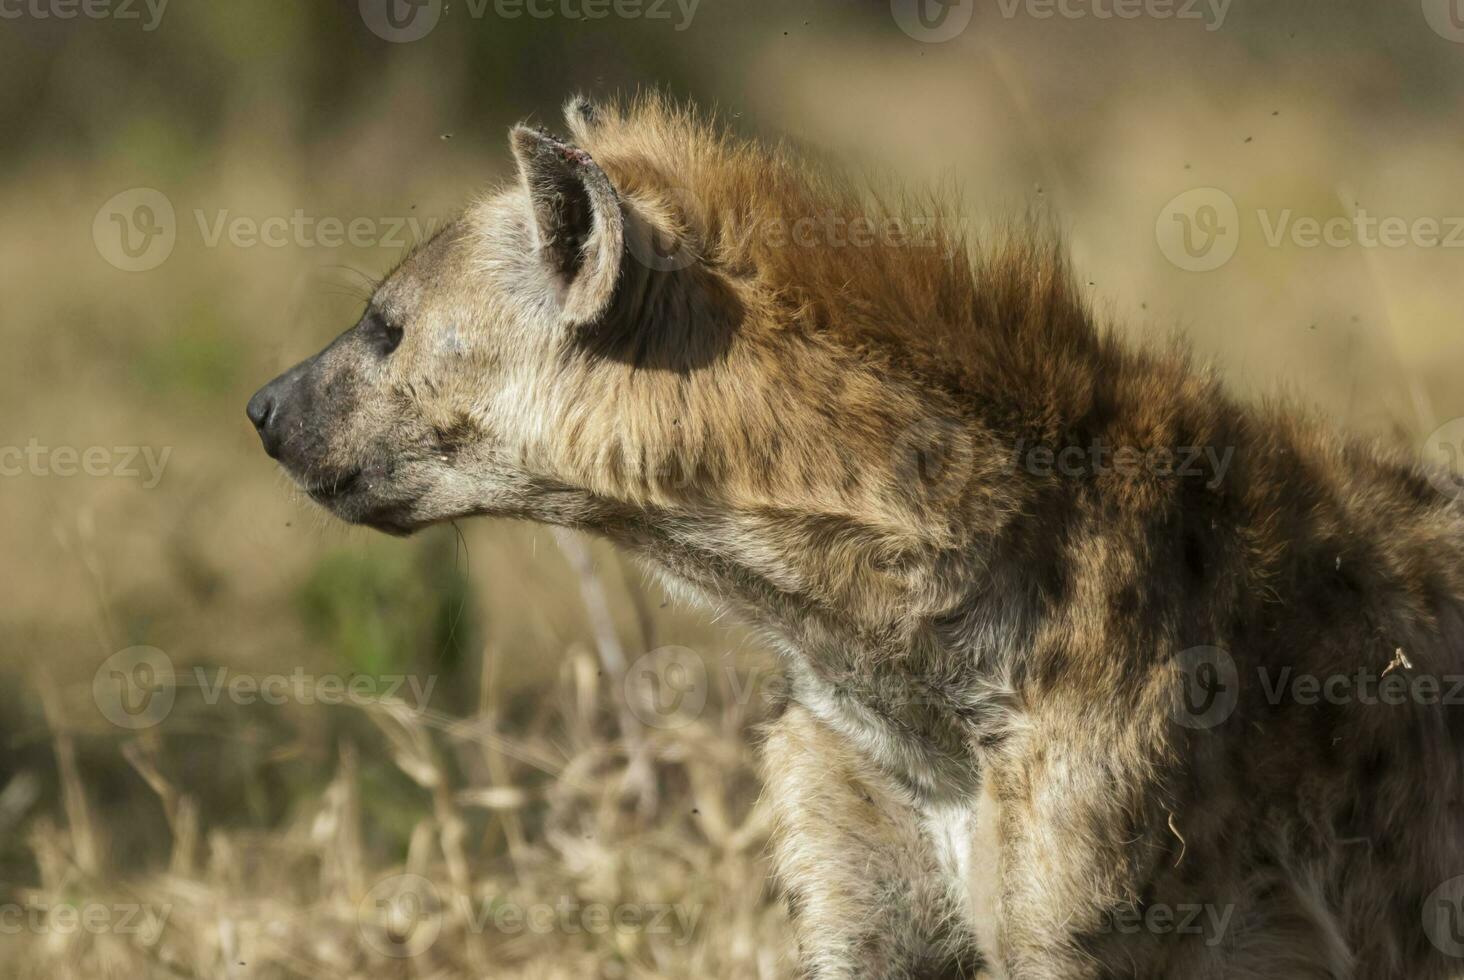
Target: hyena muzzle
[1093,670]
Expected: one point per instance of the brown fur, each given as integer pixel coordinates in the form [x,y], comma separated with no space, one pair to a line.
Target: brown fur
[983,762]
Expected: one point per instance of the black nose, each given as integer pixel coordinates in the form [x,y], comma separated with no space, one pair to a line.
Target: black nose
[262,413]
[279,409]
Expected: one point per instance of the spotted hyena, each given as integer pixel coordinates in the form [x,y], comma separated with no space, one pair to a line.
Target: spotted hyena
[1094,671]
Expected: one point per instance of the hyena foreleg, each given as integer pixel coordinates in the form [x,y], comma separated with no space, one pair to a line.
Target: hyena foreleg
[864,887]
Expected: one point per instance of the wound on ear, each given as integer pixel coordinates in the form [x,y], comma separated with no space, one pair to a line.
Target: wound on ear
[579,221]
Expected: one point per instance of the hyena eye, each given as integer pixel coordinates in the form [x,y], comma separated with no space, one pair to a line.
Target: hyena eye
[380,332]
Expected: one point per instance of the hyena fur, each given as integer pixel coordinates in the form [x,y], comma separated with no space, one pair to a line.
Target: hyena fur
[1041,721]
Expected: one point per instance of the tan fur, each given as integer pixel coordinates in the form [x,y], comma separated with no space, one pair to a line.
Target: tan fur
[982,762]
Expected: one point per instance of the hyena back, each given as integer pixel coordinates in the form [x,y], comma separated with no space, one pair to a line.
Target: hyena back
[1053,611]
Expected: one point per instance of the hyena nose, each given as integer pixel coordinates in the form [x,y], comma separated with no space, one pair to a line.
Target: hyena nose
[261,410]
[276,408]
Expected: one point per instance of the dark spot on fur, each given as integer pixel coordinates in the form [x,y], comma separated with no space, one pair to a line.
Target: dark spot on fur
[1194,556]
[1125,603]
[793,895]
[459,433]
[1373,769]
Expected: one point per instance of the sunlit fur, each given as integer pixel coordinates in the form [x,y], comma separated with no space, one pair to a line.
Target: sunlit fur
[979,766]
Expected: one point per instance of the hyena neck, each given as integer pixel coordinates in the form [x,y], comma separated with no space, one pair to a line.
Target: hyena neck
[880,562]
[912,664]
[853,495]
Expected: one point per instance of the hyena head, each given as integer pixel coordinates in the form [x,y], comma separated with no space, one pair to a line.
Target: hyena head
[695,345]
[476,380]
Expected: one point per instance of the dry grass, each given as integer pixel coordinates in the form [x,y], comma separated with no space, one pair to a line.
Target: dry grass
[581,843]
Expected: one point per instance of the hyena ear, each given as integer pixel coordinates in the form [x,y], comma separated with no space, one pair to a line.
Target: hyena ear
[579,222]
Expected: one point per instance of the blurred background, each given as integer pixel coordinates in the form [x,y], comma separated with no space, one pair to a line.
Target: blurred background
[243,741]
